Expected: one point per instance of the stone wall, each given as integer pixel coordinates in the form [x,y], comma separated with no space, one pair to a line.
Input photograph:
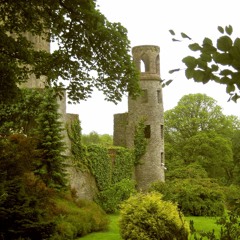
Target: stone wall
[119,132]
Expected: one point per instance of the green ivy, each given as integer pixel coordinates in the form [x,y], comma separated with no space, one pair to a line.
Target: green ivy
[140,142]
[123,164]
[78,150]
[113,171]
[100,165]
[111,198]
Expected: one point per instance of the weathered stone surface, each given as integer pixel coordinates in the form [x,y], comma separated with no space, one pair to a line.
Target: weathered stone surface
[148,107]
[83,183]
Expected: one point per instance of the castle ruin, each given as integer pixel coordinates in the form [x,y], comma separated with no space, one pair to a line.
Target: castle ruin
[147,107]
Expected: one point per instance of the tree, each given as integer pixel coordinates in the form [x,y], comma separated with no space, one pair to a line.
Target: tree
[51,166]
[194,196]
[197,131]
[195,113]
[25,201]
[219,62]
[92,52]
[95,138]
[212,151]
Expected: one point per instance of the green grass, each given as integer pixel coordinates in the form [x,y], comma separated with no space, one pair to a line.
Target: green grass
[111,234]
[200,223]
[206,224]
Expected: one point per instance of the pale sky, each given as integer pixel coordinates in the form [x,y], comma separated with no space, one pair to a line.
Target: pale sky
[148,23]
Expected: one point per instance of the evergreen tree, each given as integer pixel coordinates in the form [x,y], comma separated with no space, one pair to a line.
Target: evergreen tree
[52,163]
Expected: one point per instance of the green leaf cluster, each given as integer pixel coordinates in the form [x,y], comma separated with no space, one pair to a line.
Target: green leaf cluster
[100,165]
[24,198]
[196,131]
[148,216]
[217,62]
[140,141]
[111,198]
[112,169]
[36,114]
[95,138]
[20,115]
[194,196]
[91,52]
[52,165]
[78,150]
[77,217]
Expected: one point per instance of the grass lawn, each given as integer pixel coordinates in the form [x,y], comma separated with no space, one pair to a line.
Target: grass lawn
[200,223]
[111,234]
[205,224]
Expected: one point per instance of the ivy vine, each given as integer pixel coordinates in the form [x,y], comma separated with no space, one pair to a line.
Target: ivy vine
[78,150]
[140,142]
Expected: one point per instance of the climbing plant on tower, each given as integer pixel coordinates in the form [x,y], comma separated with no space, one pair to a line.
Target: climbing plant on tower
[140,141]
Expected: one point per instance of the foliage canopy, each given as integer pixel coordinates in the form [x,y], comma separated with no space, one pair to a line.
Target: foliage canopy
[219,62]
[91,52]
[196,131]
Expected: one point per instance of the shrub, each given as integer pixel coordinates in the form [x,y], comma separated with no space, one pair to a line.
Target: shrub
[196,197]
[232,194]
[193,170]
[25,199]
[110,199]
[147,216]
[77,218]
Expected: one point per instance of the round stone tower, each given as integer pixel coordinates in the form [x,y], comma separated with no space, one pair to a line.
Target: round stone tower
[39,44]
[148,108]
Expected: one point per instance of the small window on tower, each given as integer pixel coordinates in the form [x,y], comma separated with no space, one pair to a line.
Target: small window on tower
[159,96]
[162,157]
[147,131]
[144,96]
[161,132]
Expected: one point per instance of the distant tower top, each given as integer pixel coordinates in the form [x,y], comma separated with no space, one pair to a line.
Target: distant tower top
[146,59]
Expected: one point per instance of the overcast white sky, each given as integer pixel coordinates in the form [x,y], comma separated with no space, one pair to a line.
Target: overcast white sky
[148,23]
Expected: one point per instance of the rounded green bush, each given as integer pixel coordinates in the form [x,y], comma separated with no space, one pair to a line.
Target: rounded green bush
[147,216]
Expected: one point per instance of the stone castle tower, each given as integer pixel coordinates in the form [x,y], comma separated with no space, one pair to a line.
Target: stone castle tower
[39,44]
[83,182]
[147,107]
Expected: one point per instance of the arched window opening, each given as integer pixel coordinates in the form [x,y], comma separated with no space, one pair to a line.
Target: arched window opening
[145,62]
[142,66]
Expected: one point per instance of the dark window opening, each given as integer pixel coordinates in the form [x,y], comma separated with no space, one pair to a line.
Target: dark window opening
[147,131]
[157,64]
[162,158]
[161,132]
[159,96]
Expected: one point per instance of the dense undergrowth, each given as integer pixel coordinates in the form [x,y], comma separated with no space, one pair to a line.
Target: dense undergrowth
[76,218]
